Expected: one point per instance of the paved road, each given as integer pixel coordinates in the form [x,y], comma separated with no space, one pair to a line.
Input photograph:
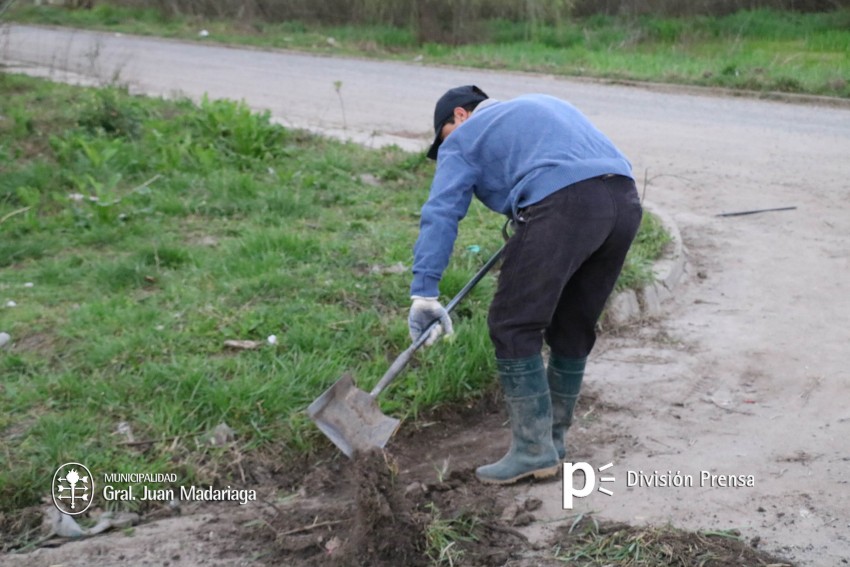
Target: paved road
[761,384]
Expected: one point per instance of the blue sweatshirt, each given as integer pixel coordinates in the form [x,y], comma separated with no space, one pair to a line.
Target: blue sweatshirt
[510,155]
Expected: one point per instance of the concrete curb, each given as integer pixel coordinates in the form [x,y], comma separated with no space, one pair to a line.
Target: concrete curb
[631,306]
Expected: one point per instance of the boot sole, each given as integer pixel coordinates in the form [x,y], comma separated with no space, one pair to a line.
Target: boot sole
[547,472]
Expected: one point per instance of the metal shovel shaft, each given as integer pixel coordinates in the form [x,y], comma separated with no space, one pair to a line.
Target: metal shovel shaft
[350,417]
[401,361]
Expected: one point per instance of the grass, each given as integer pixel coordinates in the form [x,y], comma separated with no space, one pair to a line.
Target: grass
[589,544]
[757,50]
[648,246]
[442,536]
[138,235]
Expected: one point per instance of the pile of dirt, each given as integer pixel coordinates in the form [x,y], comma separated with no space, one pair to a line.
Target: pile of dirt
[387,527]
[367,514]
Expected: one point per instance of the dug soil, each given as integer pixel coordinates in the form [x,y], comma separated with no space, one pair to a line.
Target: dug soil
[388,508]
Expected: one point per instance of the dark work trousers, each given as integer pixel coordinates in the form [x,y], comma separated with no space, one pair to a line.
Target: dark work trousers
[560,266]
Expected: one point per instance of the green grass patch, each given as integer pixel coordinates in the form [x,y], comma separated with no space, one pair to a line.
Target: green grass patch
[138,235]
[442,536]
[648,246]
[757,50]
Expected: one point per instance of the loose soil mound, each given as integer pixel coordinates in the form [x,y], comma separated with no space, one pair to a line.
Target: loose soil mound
[370,516]
[387,527]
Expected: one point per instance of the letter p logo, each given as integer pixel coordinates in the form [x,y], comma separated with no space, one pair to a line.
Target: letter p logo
[570,491]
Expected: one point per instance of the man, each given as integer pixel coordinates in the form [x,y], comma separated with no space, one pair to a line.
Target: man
[576,210]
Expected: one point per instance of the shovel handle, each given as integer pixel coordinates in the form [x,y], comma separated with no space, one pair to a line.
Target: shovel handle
[401,361]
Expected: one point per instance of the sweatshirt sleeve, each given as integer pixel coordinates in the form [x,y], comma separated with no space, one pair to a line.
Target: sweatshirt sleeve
[451,194]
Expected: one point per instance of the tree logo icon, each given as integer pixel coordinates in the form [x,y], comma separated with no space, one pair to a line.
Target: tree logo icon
[73,487]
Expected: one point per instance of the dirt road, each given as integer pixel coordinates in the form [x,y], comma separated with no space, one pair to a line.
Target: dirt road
[747,374]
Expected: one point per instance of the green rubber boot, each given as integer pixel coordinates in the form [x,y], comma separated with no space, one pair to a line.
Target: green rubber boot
[564,376]
[530,410]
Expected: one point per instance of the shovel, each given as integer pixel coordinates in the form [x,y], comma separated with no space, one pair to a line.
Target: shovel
[349,417]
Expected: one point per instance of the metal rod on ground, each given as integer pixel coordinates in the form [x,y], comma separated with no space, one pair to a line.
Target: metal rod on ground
[756,211]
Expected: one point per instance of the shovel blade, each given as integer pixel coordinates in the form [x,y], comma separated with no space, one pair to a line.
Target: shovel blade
[350,418]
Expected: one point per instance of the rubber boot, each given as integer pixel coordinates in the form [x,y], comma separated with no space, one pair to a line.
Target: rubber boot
[564,376]
[530,410]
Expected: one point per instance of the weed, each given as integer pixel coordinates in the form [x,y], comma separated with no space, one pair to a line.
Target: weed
[442,536]
[338,89]
[649,244]
[222,127]
[442,471]
[592,544]
[112,112]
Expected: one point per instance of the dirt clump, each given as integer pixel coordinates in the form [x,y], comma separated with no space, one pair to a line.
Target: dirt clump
[351,514]
[387,529]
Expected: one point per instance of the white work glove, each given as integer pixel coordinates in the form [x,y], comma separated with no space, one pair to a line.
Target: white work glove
[423,312]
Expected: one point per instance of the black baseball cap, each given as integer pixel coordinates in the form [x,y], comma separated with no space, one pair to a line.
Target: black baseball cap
[458,96]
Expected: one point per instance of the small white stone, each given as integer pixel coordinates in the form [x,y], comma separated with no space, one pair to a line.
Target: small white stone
[5,338]
[623,308]
[29,284]
[11,303]
[272,340]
